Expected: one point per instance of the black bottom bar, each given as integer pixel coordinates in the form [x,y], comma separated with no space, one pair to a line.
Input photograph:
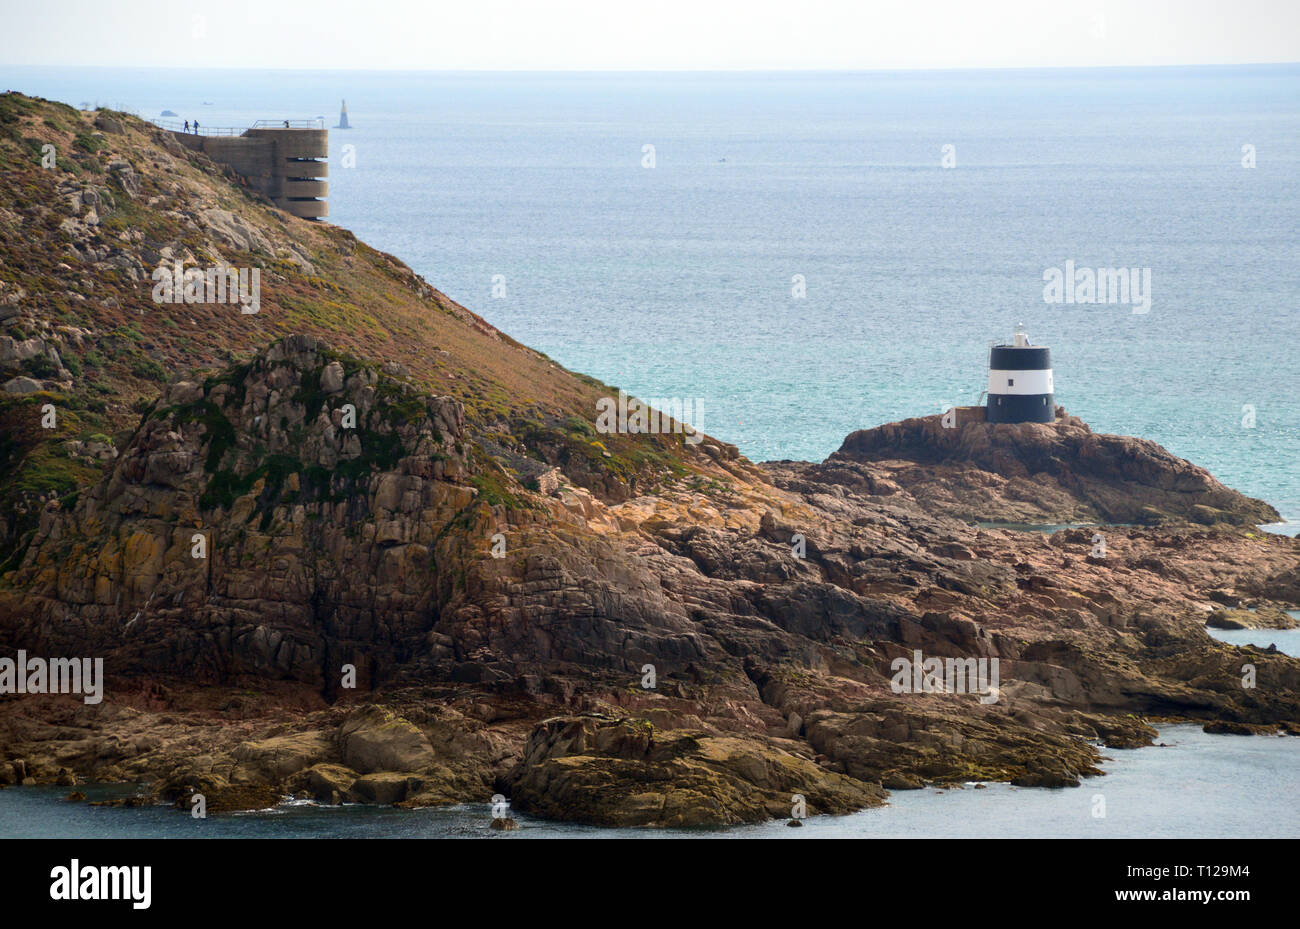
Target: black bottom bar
[207,879]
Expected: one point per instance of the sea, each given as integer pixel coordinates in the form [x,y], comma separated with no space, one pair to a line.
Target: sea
[803,254]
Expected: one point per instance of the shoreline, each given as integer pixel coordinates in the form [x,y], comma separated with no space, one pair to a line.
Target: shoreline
[299,818]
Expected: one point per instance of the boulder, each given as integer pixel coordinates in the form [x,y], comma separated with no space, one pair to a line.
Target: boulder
[235,231]
[326,783]
[376,739]
[1227,727]
[279,757]
[331,378]
[22,385]
[122,172]
[110,124]
[383,787]
[901,780]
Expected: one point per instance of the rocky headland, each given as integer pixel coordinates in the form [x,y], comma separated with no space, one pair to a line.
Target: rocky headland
[1034,473]
[363,547]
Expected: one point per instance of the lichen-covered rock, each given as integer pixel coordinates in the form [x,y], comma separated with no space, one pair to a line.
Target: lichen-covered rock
[279,757]
[628,773]
[374,739]
[247,506]
[22,385]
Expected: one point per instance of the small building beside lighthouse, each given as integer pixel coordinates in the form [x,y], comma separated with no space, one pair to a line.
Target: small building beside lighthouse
[1020,382]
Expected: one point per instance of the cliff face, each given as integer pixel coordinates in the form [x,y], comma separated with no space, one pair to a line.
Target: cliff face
[277,520]
[1057,472]
[622,629]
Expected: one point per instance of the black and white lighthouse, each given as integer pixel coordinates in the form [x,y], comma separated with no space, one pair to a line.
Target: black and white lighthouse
[1020,382]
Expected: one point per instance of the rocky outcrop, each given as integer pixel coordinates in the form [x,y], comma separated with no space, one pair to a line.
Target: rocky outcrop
[628,773]
[1266,618]
[1057,472]
[279,519]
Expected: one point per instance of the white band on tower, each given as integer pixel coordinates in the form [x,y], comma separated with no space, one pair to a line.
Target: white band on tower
[1029,383]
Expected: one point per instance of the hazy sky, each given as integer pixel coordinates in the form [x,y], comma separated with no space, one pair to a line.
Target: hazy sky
[646,34]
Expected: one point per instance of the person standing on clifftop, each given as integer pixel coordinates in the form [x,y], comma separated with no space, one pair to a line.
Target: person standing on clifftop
[187,125]
[196,127]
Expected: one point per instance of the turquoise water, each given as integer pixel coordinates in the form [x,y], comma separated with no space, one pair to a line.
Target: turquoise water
[1198,786]
[676,281]
[1286,640]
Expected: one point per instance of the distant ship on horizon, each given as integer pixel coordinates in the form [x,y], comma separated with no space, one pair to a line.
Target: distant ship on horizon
[343,117]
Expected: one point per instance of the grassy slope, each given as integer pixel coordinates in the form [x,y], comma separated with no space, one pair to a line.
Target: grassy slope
[361,300]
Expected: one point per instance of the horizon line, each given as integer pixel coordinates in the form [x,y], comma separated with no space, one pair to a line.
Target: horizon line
[765,70]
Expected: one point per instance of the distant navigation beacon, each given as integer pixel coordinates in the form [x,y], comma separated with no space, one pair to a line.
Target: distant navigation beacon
[1020,382]
[343,117]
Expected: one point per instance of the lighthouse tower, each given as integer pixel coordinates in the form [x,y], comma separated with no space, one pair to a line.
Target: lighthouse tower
[1020,382]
